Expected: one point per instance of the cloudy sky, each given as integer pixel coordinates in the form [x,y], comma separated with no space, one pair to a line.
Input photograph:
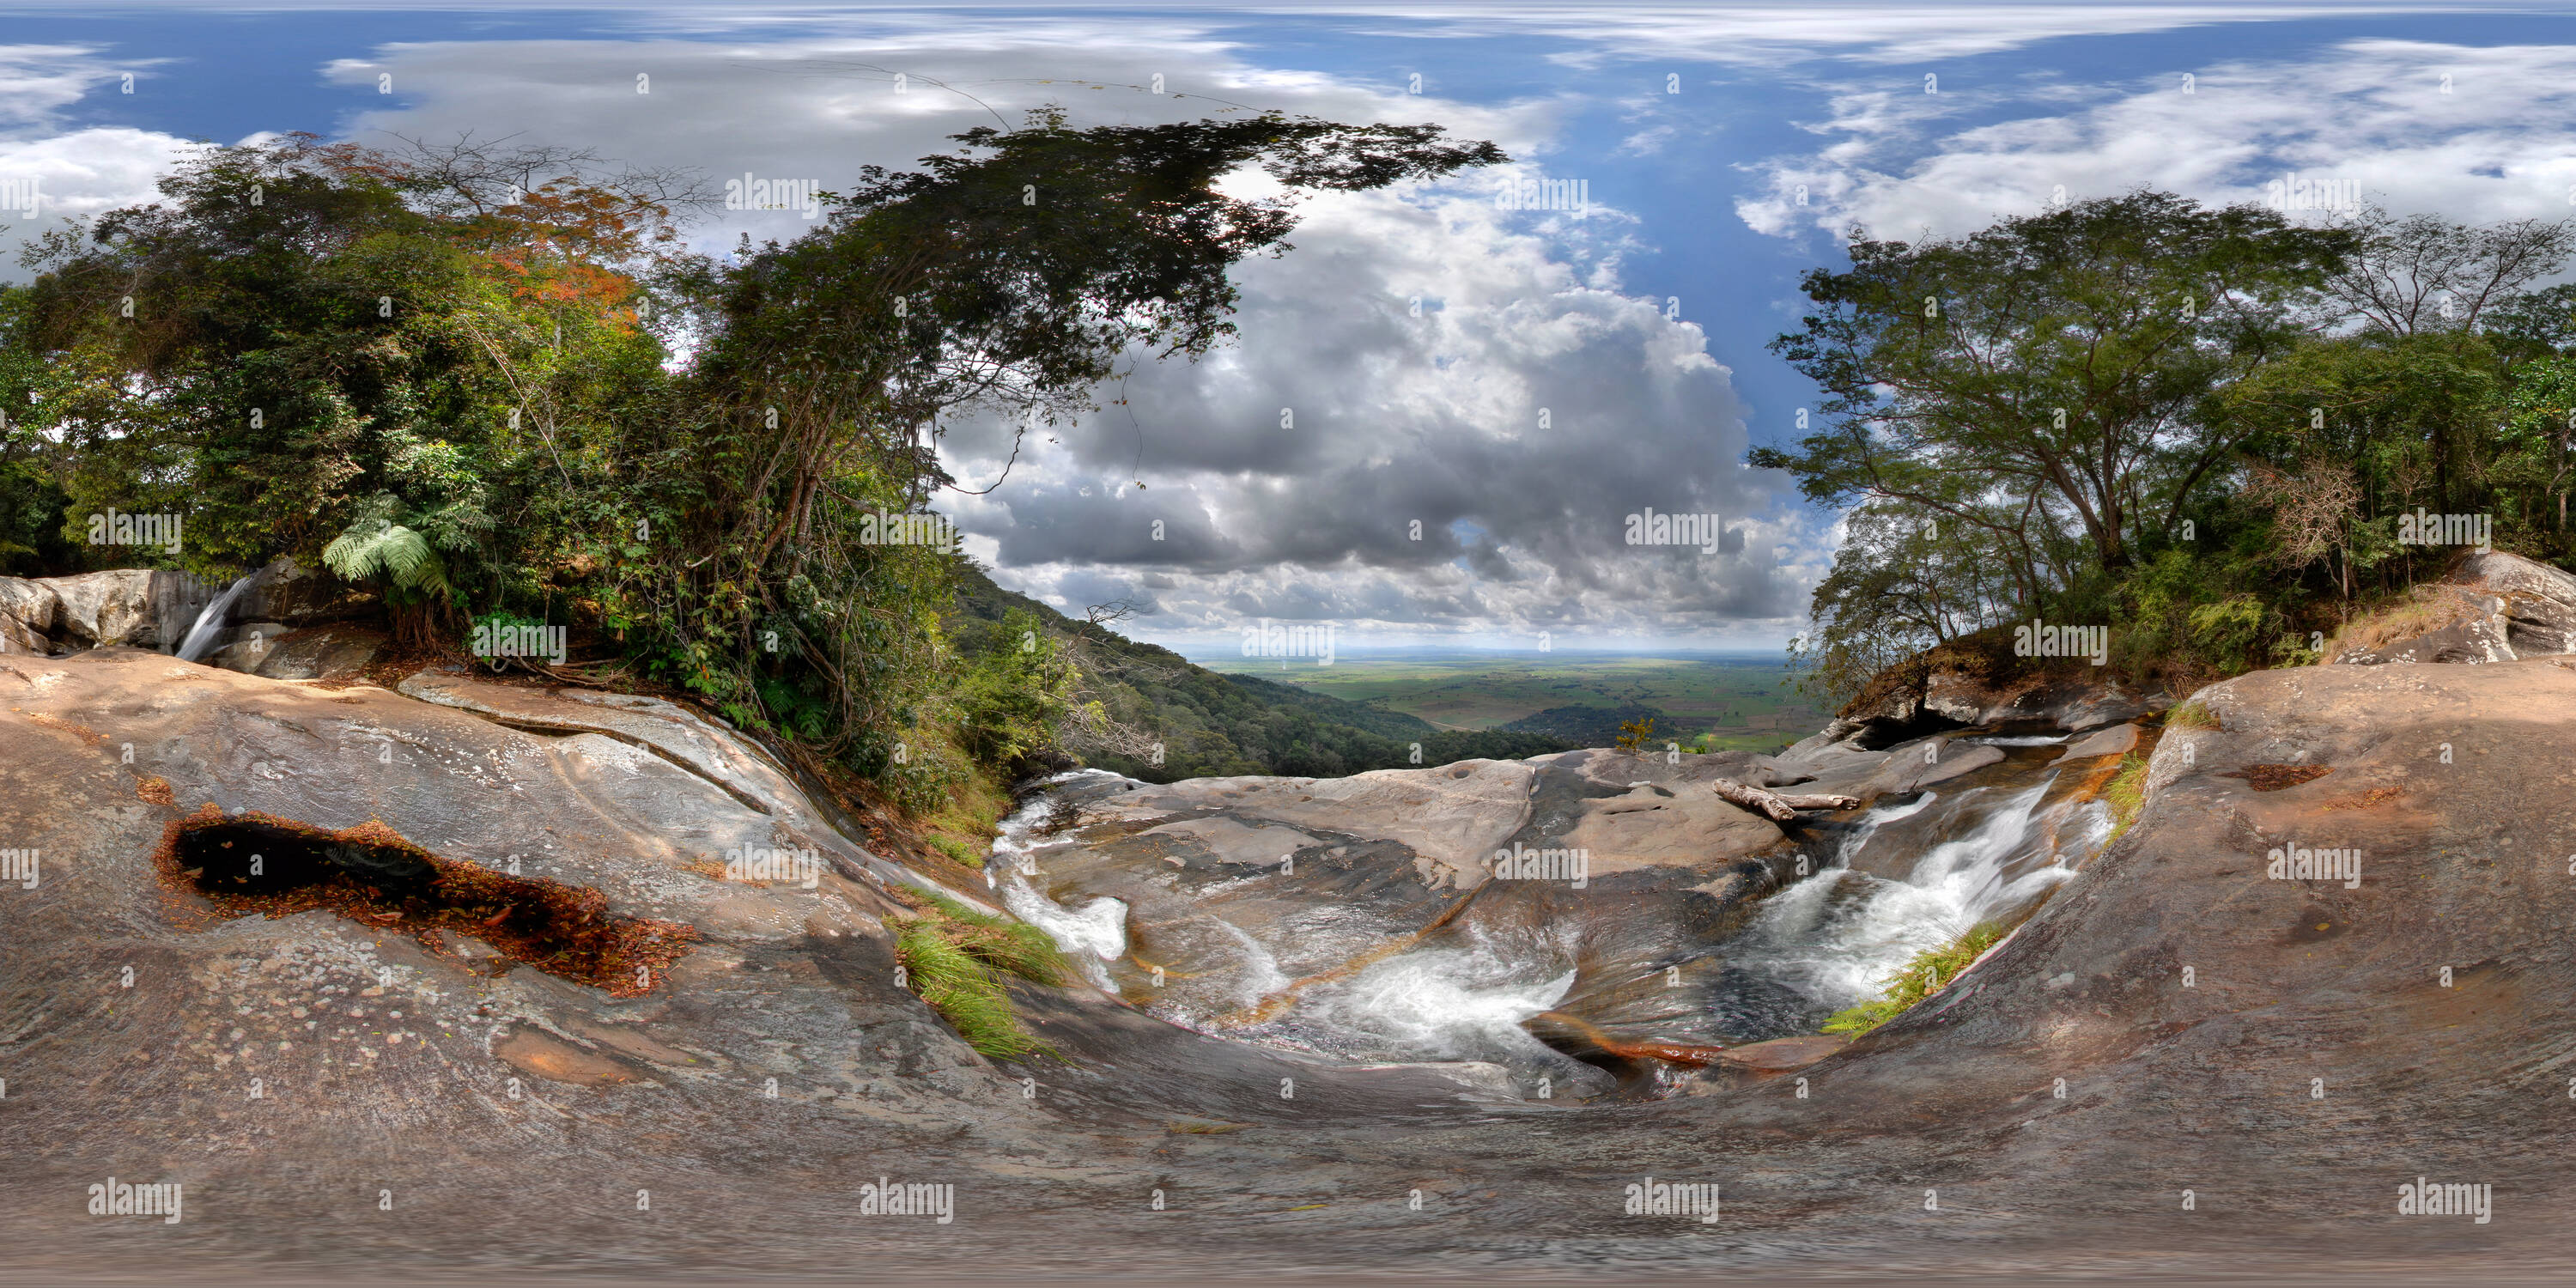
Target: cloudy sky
[1475,397]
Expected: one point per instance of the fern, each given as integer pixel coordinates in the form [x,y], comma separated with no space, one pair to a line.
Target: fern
[398,554]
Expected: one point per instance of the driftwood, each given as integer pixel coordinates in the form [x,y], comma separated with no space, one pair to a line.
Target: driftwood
[1774,806]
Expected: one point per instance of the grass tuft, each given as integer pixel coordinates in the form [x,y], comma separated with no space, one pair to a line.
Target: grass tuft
[2126,794]
[1930,970]
[2192,715]
[957,959]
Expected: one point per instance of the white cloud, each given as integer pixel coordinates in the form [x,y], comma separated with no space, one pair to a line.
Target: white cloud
[74,173]
[2373,112]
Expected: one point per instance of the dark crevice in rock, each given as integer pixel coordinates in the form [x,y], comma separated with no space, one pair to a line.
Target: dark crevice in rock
[256,863]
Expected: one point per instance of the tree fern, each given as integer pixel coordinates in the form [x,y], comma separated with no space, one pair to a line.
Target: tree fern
[400,555]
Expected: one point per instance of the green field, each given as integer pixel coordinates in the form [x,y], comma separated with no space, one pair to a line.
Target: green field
[1738,701]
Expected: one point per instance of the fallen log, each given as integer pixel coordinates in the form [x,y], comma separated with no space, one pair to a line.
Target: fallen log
[1774,806]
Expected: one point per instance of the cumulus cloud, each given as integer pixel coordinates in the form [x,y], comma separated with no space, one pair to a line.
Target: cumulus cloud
[1418,344]
[2477,134]
[49,173]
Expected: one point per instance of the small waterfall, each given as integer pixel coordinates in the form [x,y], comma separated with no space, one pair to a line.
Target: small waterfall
[210,623]
[1837,936]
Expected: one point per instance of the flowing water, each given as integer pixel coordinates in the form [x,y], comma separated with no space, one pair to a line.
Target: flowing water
[1229,952]
[209,625]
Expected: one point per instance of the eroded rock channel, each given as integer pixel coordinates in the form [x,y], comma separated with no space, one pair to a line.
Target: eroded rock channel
[1317,1020]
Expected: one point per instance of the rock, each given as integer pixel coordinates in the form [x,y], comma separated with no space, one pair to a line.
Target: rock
[247,647]
[298,596]
[1906,770]
[104,608]
[1978,682]
[33,606]
[1455,815]
[2492,607]
[1784,1055]
[2117,741]
[333,652]
[2329,1043]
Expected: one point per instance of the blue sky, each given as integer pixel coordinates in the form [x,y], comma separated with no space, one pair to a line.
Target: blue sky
[1403,418]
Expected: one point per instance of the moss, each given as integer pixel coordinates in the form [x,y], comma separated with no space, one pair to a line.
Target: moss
[1929,972]
[2193,715]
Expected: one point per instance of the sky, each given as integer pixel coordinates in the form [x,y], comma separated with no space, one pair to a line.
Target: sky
[1439,412]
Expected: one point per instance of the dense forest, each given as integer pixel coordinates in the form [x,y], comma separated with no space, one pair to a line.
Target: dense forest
[2220,433]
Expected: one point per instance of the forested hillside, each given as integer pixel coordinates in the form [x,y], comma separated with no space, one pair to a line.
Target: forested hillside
[1211,724]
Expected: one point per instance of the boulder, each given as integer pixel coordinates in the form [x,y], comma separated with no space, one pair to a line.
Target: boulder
[99,609]
[334,652]
[2119,740]
[2491,607]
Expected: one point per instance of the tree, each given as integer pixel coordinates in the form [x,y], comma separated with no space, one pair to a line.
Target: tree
[2065,355]
[2425,273]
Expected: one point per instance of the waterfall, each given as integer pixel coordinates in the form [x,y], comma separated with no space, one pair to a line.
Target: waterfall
[210,623]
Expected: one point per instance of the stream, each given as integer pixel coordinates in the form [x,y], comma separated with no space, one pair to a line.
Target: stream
[1242,951]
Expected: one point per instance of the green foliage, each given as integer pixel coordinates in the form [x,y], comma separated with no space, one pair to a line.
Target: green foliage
[380,547]
[964,992]
[2026,422]
[1930,971]
[388,363]
[1634,734]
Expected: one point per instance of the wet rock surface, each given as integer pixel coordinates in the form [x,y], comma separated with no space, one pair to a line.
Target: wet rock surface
[2316,1059]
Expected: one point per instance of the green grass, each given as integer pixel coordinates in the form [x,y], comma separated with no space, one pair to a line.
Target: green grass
[956,849]
[2126,794]
[1925,975]
[957,957]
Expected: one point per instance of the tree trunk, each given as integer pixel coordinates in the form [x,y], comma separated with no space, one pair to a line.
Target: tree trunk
[1774,806]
